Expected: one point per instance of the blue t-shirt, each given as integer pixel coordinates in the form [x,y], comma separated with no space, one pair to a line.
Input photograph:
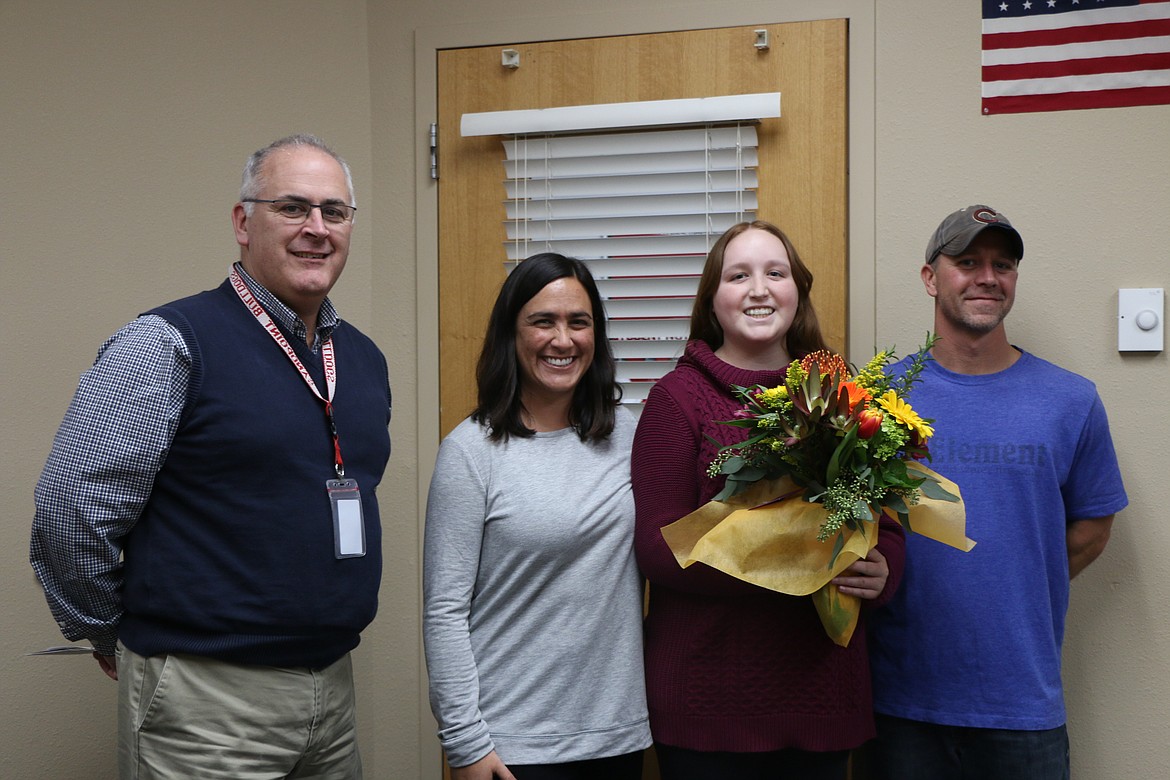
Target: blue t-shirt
[974,639]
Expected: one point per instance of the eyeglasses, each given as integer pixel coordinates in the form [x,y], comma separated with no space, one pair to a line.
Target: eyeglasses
[297,211]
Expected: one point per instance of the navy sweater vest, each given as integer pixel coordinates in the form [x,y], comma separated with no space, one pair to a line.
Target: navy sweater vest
[233,557]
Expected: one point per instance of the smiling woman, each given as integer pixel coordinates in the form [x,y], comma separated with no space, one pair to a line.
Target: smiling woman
[742,682]
[554,347]
[546,354]
[532,602]
[755,302]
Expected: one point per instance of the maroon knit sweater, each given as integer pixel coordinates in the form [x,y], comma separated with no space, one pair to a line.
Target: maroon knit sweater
[731,666]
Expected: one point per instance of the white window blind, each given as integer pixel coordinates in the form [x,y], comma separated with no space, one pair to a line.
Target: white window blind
[641,208]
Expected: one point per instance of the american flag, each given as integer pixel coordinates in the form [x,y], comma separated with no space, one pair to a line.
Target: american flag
[1052,55]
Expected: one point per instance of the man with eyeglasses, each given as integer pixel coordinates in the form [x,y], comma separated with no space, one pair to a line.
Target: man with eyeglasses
[206,518]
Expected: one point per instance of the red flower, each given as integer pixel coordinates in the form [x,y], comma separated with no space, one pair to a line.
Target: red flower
[869,423]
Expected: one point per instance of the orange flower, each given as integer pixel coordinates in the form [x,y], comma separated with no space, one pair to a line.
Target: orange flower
[857,394]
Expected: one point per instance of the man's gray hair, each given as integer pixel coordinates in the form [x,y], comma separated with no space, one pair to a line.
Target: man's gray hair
[253,181]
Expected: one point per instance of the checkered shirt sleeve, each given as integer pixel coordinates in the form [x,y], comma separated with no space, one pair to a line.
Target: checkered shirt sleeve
[100,471]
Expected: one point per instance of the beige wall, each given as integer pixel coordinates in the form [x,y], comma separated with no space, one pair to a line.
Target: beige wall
[123,126]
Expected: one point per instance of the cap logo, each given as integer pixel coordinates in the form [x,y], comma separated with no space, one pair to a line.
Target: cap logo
[986,216]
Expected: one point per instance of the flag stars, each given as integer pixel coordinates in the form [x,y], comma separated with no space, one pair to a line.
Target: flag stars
[1097,72]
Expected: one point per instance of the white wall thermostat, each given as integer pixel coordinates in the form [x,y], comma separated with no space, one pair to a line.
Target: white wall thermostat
[1140,319]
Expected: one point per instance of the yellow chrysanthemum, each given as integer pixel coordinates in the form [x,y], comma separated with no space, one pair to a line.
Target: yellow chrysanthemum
[903,413]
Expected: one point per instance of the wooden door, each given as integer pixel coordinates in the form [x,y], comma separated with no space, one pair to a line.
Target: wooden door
[803,168]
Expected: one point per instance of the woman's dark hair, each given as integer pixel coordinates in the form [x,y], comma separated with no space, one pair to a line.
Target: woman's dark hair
[804,335]
[497,374]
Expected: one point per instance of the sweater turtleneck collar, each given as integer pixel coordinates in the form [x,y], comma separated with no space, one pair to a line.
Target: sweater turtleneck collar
[700,355]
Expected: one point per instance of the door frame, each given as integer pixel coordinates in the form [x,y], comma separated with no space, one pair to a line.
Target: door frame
[861,199]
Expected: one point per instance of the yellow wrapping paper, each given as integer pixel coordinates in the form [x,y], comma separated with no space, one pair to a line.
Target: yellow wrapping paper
[767,536]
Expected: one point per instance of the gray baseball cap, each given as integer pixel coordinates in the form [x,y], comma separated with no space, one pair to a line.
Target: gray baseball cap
[956,232]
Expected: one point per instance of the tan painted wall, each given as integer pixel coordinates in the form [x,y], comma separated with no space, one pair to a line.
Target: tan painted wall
[123,126]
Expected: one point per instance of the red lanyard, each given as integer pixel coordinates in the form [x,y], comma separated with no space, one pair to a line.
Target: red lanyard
[327,359]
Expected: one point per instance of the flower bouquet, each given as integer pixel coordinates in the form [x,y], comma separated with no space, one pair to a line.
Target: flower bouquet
[827,453]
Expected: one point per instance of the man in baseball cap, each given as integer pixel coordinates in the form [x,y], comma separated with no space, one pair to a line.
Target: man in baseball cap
[966,657]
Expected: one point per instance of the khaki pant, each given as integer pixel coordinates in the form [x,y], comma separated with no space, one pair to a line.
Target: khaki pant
[182,717]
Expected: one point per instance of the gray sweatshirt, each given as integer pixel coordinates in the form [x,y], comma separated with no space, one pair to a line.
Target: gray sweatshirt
[532,601]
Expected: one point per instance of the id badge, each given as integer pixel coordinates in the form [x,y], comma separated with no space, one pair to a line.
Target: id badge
[349,532]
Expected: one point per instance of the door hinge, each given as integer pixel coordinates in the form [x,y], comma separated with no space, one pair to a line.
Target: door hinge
[435,151]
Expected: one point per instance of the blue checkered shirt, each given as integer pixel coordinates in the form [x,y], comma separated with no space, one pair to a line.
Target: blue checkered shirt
[101,469]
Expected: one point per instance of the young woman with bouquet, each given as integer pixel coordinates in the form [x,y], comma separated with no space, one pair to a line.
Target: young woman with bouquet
[742,682]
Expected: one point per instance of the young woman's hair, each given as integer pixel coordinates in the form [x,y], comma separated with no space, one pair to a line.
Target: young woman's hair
[804,335]
[498,376]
